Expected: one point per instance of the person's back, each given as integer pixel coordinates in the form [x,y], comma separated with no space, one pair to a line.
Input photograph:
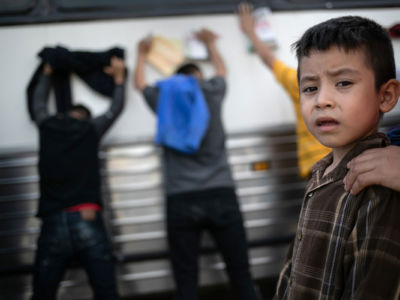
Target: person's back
[200,194]
[346,246]
[70,190]
[208,167]
[69,167]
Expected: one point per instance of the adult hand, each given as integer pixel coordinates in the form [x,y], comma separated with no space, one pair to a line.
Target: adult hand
[379,166]
[247,25]
[246,18]
[206,36]
[144,46]
[116,69]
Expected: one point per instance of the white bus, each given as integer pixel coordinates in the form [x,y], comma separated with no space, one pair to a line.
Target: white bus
[258,116]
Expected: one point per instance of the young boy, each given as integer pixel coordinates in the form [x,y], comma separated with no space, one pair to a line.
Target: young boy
[347,246]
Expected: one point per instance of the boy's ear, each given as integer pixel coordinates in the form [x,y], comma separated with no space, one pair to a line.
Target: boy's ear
[389,95]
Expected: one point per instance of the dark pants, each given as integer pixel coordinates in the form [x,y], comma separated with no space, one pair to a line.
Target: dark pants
[216,211]
[65,235]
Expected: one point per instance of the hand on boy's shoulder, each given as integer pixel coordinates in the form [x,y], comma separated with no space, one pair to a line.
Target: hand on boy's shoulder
[380,166]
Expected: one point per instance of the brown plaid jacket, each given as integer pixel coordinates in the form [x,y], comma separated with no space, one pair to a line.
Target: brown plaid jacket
[346,246]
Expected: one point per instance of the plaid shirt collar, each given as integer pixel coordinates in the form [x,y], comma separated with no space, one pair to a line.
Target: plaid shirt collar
[376,140]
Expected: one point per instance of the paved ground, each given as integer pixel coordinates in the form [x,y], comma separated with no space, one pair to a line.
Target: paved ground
[266,289]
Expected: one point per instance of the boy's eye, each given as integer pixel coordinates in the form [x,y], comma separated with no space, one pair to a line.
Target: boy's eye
[343,83]
[309,89]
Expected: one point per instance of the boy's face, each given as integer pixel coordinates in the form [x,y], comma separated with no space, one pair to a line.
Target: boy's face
[338,99]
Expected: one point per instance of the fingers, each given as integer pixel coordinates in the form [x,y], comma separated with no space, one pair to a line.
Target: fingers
[245,8]
[362,181]
[206,33]
[206,36]
[378,166]
[116,69]
[108,70]
[355,177]
[363,170]
[116,64]
[144,45]
[246,17]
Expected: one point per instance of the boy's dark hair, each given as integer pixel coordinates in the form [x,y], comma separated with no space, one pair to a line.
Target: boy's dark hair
[352,33]
[187,69]
[82,108]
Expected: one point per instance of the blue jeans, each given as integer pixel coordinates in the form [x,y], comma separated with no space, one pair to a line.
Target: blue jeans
[216,211]
[65,235]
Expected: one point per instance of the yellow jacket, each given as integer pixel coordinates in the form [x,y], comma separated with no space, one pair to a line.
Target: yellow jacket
[309,150]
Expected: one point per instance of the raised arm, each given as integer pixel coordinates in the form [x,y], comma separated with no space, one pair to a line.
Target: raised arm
[139,77]
[285,75]
[208,38]
[117,71]
[247,26]
[41,95]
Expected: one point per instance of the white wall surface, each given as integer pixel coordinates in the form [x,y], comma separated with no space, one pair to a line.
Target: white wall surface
[253,101]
